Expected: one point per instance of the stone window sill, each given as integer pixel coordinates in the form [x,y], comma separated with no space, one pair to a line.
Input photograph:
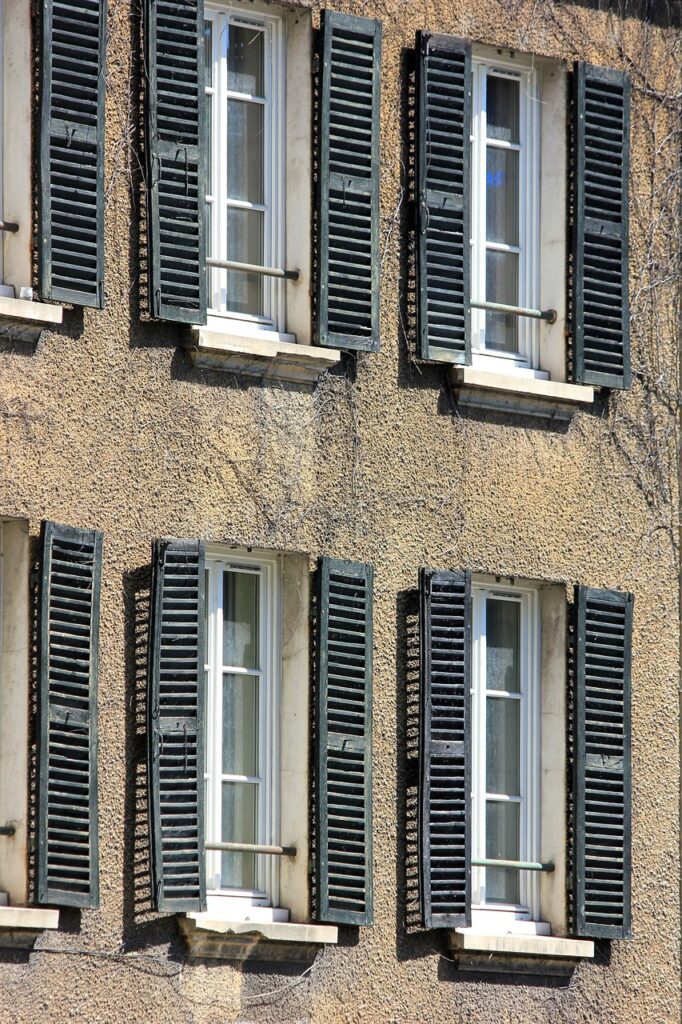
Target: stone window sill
[209,936]
[548,399]
[21,926]
[24,320]
[266,358]
[546,946]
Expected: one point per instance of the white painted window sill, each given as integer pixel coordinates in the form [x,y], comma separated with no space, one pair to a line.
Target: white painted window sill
[268,357]
[25,320]
[549,399]
[207,935]
[473,940]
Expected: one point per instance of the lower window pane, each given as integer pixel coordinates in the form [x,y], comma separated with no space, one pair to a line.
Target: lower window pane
[240,825]
[244,245]
[502,843]
[502,285]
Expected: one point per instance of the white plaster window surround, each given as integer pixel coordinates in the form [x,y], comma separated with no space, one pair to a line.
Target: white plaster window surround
[20,316]
[259,96]
[258,616]
[20,925]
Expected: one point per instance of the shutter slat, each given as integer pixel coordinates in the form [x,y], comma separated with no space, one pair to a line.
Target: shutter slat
[71,214]
[445,750]
[68,862]
[176,157]
[443,171]
[601,157]
[344,742]
[348,193]
[176,725]
[602,770]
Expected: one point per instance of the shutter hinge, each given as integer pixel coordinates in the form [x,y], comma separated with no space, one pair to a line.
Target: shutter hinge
[315,65]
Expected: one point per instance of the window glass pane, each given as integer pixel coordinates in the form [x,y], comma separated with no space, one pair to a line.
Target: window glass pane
[502,643]
[245,245]
[239,820]
[245,60]
[245,151]
[208,53]
[241,595]
[502,196]
[502,746]
[240,725]
[502,285]
[502,103]
[502,842]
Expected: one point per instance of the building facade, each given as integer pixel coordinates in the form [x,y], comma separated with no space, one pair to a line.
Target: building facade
[339,377]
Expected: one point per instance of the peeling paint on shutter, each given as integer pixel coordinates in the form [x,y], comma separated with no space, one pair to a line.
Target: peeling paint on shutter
[601,129]
[445,748]
[602,768]
[344,742]
[71,221]
[443,172]
[68,865]
[176,153]
[348,187]
[176,725]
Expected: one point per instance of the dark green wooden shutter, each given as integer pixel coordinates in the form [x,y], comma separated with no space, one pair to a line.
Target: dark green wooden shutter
[348,186]
[176,725]
[443,173]
[445,748]
[344,742]
[68,864]
[176,152]
[73,63]
[601,138]
[602,769]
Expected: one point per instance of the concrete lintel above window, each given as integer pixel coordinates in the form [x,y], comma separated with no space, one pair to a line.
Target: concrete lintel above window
[527,396]
[23,320]
[209,936]
[256,357]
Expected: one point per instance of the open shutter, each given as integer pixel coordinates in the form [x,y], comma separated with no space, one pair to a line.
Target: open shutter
[445,748]
[73,62]
[176,152]
[348,183]
[176,725]
[443,171]
[68,865]
[601,137]
[602,769]
[344,742]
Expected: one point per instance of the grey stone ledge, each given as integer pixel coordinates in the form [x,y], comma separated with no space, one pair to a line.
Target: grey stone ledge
[24,320]
[266,358]
[527,396]
[208,936]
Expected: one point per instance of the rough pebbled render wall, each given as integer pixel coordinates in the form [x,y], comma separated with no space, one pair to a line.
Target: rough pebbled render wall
[105,423]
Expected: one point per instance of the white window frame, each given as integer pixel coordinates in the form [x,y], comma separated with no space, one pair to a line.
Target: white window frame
[274,62]
[527,360]
[530,747]
[267,867]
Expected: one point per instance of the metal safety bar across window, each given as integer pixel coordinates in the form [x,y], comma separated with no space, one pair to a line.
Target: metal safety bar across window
[7,830]
[548,315]
[273,851]
[253,268]
[520,865]
[9,225]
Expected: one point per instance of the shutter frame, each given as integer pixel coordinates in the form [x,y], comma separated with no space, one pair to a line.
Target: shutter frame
[60,279]
[437,209]
[584,910]
[589,367]
[64,718]
[334,742]
[170,717]
[429,749]
[184,301]
[331,331]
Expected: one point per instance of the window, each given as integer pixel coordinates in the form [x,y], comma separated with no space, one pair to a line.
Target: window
[505,747]
[242,726]
[15,160]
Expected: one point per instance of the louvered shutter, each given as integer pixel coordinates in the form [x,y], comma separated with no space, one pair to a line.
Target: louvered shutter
[344,742]
[348,183]
[443,173]
[601,137]
[176,151]
[602,769]
[73,63]
[68,865]
[176,725]
[445,748]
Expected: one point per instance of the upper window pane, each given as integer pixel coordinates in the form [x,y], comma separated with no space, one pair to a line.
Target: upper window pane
[241,594]
[503,633]
[502,108]
[245,60]
[245,151]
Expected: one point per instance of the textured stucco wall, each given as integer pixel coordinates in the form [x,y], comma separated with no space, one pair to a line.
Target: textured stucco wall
[106,424]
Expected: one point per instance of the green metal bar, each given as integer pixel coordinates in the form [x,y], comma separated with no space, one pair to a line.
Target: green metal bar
[549,315]
[7,830]
[274,851]
[253,268]
[9,225]
[521,865]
